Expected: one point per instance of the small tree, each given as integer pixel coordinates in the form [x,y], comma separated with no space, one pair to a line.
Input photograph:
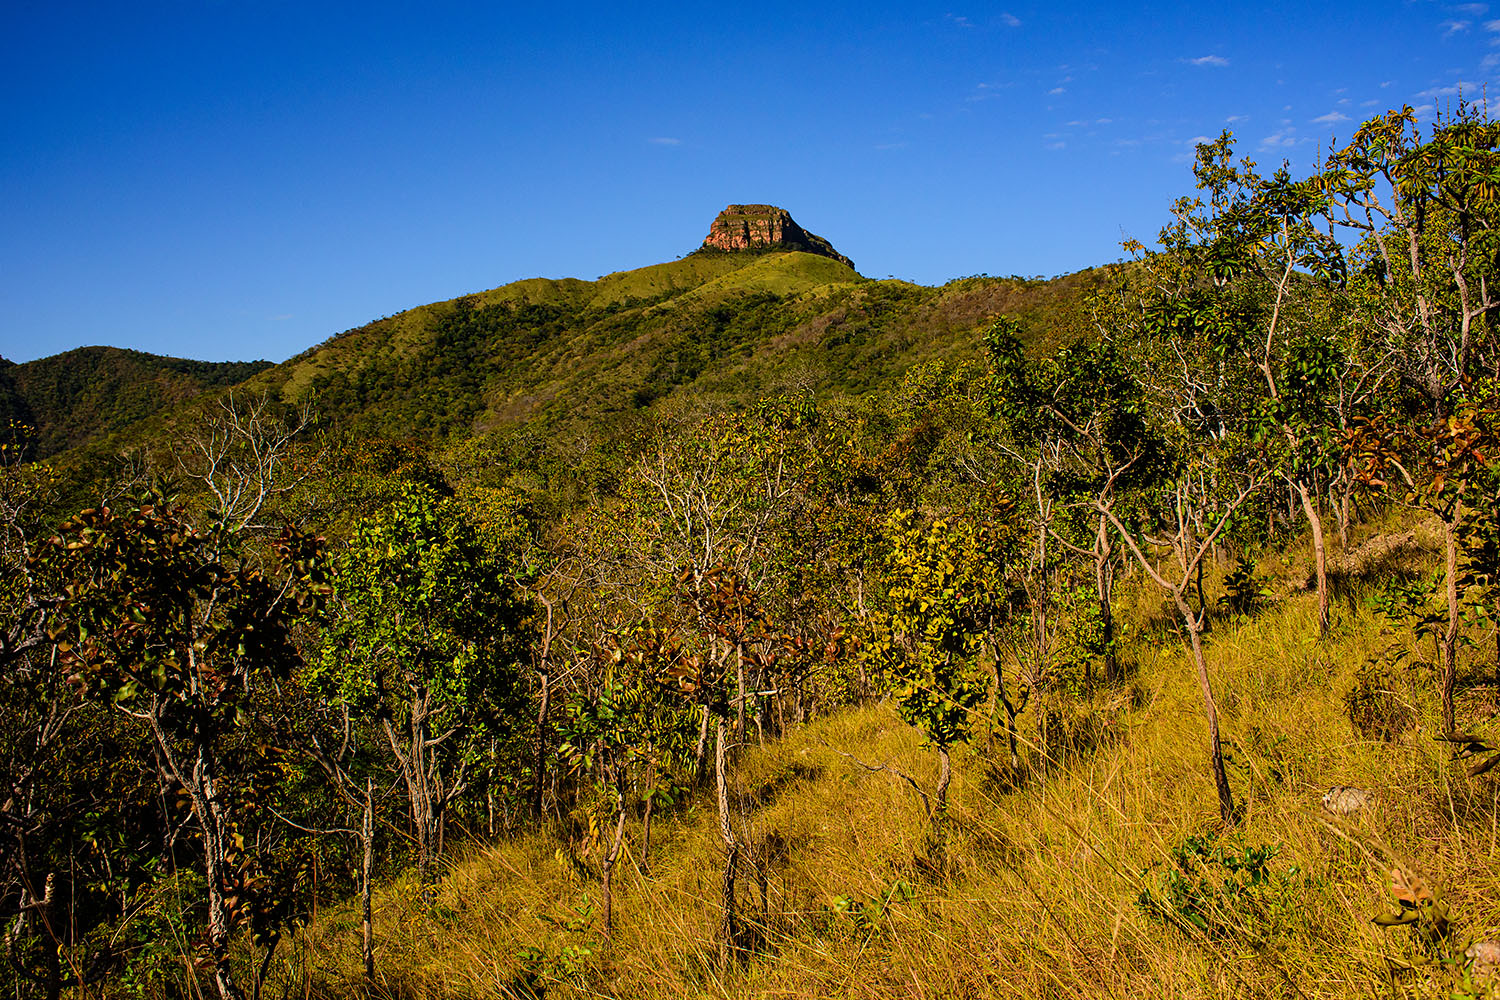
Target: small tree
[942,582]
[425,632]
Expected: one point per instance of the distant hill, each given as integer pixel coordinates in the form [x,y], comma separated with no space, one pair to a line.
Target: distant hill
[573,357]
[81,395]
[566,362]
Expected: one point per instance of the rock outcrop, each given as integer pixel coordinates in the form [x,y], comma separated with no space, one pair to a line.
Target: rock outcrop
[765,227]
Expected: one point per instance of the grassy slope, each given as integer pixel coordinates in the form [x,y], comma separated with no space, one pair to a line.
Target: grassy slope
[577,354]
[569,361]
[1038,896]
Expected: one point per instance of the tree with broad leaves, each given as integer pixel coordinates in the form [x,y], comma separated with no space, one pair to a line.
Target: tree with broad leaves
[623,734]
[1425,206]
[424,632]
[942,587]
[176,625]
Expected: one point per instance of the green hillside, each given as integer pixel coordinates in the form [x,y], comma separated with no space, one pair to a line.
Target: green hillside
[79,396]
[578,356]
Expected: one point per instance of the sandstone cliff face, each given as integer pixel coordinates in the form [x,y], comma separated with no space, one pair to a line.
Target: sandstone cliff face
[759,227]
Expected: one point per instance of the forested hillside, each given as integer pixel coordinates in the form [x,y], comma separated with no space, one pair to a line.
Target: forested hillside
[580,358]
[70,399]
[742,627]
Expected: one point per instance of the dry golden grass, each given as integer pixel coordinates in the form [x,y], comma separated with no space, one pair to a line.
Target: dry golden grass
[1034,893]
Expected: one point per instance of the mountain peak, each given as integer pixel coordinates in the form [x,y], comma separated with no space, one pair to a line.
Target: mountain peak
[756,227]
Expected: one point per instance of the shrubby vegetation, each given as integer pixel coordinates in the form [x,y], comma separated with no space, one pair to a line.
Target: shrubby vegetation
[990,672]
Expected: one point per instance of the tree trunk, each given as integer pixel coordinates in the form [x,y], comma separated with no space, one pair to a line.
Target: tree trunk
[539,750]
[412,760]
[366,875]
[729,924]
[1449,679]
[1104,580]
[646,826]
[945,776]
[200,782]
[609,863]
[1194,626]
[264,969]
[1003,698]
[1320,555]
[700,752]
[739,722]
[489,795]
[215,869]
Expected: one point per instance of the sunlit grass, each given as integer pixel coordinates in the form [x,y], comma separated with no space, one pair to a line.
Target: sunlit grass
[1034,891]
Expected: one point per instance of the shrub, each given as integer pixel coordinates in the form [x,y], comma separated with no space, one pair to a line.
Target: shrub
[1223,890]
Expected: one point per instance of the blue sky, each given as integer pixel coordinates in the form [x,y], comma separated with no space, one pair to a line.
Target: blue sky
[233,180]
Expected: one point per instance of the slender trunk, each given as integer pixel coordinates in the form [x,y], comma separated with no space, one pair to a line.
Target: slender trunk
[1202,600]
[539,750]
[264,969]
[646,827]
[47,915]
[489,795]
[1194,625]
[1344,494]
[729,924]
[700,752]
[945,776]
[366,876]
[1010,715]
[739,722]
[609,863]
[412,760]
[1320,555]
[1104,587]
[1450,634]
[212,825]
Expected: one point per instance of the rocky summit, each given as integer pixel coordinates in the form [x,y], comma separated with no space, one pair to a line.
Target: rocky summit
[760,227]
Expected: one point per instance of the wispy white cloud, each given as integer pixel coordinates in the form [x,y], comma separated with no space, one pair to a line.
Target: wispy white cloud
[1451,28]
[1234,118]
[1010,20]
[1492,25]
[1450,91]
[1472,9]
[1199,140]
[1207,61]
[1330,118]
[1057,90]
[664,140]
[890,145]
[1282,138]
[958,20]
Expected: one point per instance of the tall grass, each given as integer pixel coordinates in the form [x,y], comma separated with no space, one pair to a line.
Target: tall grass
[1032,890]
